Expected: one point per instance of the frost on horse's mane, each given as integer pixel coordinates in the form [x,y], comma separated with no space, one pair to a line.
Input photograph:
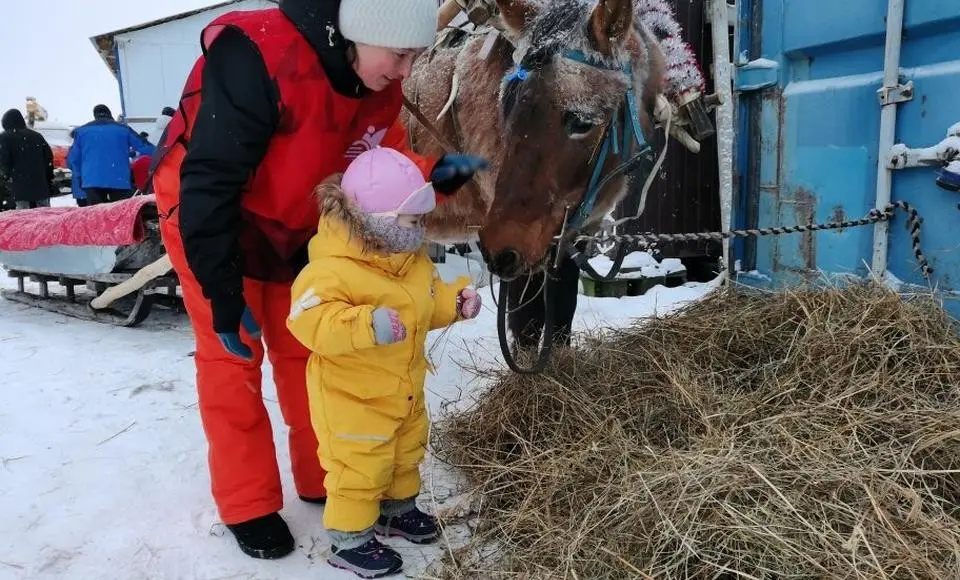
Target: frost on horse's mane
[682,73]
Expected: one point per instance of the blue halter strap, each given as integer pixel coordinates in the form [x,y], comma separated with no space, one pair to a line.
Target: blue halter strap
[626,117]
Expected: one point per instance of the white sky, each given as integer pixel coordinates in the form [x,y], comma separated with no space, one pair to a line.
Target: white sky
[46,51]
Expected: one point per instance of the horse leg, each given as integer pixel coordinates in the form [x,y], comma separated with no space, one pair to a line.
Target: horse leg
[564,300]
[528,315]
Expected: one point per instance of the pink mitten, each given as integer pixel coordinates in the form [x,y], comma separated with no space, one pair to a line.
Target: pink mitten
[468,303]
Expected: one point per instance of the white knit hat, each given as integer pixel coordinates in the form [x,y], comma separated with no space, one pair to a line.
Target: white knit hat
[389,23]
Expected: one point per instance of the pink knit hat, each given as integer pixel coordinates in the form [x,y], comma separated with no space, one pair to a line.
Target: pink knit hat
[383,180]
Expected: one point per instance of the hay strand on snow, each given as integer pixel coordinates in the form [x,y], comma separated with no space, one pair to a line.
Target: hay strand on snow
[806,434]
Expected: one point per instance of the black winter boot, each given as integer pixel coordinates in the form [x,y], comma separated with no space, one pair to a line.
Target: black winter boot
[414,526]
[371,560]
[266,537]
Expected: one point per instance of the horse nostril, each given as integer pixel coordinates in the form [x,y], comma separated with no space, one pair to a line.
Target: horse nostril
[507,263]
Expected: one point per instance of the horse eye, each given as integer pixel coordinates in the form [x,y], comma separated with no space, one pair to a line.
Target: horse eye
[575,125]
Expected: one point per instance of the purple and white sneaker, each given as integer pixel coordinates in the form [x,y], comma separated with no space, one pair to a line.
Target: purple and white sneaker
[371,560]
[413,526]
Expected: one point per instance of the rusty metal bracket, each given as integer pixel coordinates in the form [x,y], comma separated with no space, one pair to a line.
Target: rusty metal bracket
[481,13]
[895,94]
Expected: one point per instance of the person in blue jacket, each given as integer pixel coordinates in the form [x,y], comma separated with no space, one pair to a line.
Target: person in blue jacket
[101,153]
[79,195]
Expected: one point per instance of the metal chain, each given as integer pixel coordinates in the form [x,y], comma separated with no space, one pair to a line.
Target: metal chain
[913,226]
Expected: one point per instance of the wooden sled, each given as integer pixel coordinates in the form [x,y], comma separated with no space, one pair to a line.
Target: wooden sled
[124,283]
[129,309]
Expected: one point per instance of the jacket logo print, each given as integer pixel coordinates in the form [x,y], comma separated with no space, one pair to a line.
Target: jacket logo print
[371,139]
[307,301]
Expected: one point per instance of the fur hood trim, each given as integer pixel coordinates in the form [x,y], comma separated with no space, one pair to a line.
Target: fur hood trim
[335,205]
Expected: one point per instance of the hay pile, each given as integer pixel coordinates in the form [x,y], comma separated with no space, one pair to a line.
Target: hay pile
[812,434]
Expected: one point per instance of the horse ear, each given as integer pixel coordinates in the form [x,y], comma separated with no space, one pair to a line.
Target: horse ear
[515,13]
[609,24]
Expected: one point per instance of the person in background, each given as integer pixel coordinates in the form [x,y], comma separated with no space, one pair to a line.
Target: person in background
[281,99]
[101,151]
[79,196]
[161,124]
[146,137]
[26,162]
[140,169]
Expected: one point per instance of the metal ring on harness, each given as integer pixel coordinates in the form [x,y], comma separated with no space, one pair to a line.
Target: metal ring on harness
[584,264]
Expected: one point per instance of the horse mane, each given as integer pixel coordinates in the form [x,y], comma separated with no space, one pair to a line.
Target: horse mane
[556,25]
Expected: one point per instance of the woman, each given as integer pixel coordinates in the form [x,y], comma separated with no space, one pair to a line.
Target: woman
[281,99]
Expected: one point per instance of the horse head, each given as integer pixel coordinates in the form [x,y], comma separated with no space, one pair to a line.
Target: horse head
[578,98]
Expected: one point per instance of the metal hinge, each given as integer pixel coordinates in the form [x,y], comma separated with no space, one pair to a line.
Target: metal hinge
[946,151]
[755,74]
[895,94]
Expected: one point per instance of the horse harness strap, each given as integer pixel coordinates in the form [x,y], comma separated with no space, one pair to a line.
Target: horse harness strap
[616,141]
[441,140]
[415,111]
[627,116]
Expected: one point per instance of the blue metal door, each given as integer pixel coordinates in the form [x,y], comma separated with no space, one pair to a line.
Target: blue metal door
[810,81]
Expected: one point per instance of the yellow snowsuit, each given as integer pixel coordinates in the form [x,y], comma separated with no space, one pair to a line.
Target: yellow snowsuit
[367,401]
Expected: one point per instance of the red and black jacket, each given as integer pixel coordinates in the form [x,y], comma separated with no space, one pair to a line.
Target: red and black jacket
[271,109]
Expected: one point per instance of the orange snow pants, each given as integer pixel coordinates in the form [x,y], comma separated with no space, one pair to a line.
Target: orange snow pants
[243,464]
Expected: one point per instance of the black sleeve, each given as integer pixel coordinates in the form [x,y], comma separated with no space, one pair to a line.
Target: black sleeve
[235,122]
[48,160]
[6,157]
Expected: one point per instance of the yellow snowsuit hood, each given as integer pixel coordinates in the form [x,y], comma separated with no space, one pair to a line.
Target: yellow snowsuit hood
[366,401]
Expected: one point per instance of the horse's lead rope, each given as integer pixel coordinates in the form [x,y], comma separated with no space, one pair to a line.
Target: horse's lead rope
[875,215]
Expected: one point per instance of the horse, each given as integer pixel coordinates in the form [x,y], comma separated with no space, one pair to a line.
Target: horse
[549,101]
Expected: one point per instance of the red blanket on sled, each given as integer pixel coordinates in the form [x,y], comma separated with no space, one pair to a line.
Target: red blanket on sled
[108,224]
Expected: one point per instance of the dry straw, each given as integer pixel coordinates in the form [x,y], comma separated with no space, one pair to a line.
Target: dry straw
[808,434]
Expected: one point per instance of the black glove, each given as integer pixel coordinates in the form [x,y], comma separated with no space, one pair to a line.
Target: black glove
[453,170]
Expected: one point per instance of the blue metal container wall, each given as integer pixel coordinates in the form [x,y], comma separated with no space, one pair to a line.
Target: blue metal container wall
[816,135]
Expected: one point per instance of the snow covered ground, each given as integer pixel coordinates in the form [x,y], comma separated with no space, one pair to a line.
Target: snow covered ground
[103,461]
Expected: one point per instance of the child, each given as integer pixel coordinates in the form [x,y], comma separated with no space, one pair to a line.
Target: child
[363,306]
